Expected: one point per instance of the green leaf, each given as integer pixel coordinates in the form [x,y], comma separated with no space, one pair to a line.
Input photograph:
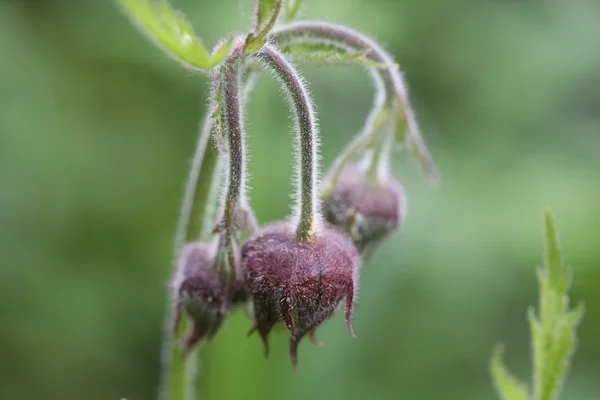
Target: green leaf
[558,274]
[331,54]
[291,9]
[554,329]
[508,387]
[256,39]
[552,252]
[264,12]
[171,31]
[221,53]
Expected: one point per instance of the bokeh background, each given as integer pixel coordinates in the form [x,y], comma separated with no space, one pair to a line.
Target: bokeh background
[97,129]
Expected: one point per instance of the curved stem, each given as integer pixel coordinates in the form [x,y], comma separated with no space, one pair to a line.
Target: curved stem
[232,110]
[178,372]
[380,167]
[195,201]
[367,138]
[307,206]
[394,90]
[213,197]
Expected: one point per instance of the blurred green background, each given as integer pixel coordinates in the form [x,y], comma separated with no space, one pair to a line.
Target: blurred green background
[97,130]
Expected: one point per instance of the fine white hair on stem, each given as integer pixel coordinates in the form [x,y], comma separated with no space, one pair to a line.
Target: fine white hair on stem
[384,155]
[214,206]
[306,210]
[192,221]
[190,209]
[233,116]
[361,140]
[394,84]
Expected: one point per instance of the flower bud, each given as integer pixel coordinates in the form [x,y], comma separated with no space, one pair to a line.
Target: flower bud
[300,283]
[202,292]
[368,210]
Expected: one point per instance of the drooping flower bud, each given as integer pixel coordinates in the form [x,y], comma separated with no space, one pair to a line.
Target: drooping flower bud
[203,292]
[368,210]
[300,283]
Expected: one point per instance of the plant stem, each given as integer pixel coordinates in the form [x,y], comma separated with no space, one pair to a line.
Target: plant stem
[379,170]
[232,110]
[178,372]
[368,137]
[391,88]
[308,134]
[195,203]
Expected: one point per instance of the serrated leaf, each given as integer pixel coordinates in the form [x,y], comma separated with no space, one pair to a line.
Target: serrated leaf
[558,273]
[575,316]
[508,387]
[291,9]
[170,30]
[554,331]
[256,39]
[552,252]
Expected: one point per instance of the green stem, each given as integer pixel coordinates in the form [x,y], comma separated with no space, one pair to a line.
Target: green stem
[379,169]
[369,137]
[391,88]
[178,372]
[195,203]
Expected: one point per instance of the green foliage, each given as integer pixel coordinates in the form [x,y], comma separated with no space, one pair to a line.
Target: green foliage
[265,11]
[268,12]
[323,52]
[335,44]
[291,9]
[219,55]
[553,329]
[181,373]
[172,32]
[508,386]
[91,186]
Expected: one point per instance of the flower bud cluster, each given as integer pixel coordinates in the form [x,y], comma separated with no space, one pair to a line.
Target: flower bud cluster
[299,271]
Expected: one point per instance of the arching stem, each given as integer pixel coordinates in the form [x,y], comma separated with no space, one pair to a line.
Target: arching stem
[178,372]
[392,91]
[234,218]
[308,134]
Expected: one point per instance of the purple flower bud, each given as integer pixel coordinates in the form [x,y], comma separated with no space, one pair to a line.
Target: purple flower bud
[299,283]
[202,292]
[368,210]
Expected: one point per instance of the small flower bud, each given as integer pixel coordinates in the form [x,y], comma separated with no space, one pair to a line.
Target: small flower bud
[367,210]
[300,283]
[202,292]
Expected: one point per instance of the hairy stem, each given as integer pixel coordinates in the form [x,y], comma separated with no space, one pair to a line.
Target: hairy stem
[195,201]
[232,109]
[178,372]
[380,168]
[369,137]
[391,88]
[213,197]
[308,134]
